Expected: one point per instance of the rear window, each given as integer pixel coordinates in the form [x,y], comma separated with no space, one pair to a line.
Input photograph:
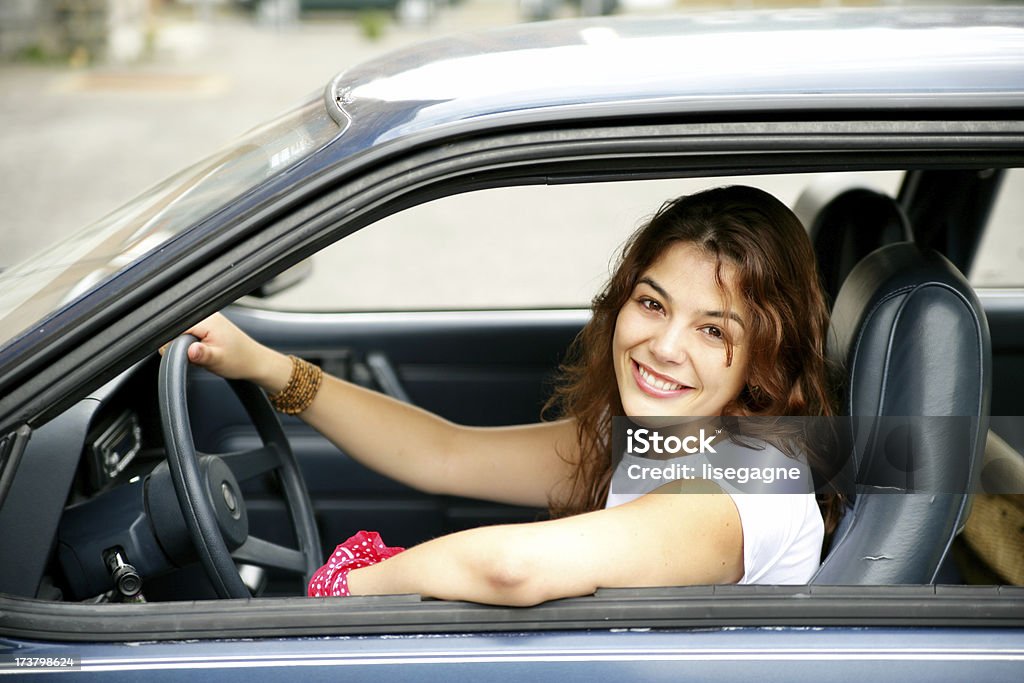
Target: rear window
[1000,258]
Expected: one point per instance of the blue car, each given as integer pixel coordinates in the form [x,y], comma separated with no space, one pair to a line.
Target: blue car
[330,233]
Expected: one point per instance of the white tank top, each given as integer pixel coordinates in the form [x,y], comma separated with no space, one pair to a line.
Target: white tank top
[782,526]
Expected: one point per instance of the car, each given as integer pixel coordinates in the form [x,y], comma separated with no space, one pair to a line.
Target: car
[542,10]
[406,11]
[900,128]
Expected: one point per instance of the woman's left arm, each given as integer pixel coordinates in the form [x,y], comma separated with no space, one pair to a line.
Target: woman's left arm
[660,539]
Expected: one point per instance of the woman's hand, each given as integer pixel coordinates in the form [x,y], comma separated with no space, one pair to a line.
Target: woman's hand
[227,351]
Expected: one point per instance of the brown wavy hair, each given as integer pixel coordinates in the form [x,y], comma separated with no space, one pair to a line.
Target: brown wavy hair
[778,281]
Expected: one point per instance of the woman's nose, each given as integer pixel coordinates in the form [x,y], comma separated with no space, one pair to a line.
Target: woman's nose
[668,345]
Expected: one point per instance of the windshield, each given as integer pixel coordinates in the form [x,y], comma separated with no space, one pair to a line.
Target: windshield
[62,273]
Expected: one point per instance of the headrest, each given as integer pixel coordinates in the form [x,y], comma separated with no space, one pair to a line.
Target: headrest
[848,226]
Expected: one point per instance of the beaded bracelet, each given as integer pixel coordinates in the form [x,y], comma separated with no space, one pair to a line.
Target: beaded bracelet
[298,394]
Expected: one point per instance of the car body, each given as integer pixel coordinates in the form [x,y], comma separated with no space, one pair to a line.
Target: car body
[935,93]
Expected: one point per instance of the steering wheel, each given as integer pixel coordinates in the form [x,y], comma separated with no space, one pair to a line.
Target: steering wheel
[207,488]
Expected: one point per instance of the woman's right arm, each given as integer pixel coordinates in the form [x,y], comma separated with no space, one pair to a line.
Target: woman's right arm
[522,465]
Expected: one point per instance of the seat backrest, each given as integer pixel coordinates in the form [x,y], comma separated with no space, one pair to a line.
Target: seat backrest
[913,341]
[846,227]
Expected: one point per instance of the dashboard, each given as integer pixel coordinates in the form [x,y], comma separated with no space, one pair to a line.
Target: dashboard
[102,447]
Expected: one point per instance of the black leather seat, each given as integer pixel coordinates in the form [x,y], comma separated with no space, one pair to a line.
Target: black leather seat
[846,225]
[914,341]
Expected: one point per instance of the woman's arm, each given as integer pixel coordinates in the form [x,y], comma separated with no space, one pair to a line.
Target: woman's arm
[661,539]
[522,465]
[519,465]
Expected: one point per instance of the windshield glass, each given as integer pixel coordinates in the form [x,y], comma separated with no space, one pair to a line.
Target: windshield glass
[63,272]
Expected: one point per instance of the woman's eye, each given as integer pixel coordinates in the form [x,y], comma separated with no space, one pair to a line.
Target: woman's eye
[650,304]
[714,332]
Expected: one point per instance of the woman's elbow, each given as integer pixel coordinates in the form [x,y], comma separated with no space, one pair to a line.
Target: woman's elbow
[519,580]
[507,577]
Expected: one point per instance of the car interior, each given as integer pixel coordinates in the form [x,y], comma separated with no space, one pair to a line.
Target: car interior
[914,336]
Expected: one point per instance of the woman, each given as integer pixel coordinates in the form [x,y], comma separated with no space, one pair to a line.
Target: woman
[714,310]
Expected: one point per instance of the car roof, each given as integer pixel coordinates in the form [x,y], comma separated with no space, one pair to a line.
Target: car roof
[715,63]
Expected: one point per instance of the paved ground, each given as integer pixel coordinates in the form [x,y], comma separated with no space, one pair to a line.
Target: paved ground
[78,143]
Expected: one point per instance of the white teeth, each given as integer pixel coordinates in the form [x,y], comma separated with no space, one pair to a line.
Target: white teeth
[658,383]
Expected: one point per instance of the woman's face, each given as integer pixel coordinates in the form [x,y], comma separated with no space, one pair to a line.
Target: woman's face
[669,348]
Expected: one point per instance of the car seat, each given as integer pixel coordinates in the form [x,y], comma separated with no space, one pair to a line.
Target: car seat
[913,341]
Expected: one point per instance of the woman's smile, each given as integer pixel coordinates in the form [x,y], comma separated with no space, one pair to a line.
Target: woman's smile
[655,384]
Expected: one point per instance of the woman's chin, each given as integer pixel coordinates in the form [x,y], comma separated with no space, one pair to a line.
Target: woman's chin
[657,415]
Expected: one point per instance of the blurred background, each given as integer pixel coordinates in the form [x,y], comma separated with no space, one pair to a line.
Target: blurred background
[100,99]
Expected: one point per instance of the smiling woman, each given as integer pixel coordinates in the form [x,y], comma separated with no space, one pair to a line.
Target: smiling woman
[714,310]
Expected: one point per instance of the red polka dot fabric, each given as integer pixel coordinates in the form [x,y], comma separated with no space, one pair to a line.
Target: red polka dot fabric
[362,550]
